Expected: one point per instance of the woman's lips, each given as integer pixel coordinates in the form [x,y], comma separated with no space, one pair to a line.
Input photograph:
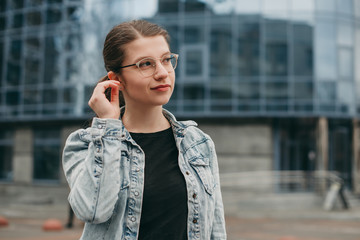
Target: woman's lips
[161,88]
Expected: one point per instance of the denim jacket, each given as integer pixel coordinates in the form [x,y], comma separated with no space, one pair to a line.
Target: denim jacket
[105,170]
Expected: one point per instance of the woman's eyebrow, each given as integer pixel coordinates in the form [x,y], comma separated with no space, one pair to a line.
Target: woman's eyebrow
[143,57]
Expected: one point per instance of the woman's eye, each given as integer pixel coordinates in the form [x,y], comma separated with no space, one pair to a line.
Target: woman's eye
[145,64]
[167,59]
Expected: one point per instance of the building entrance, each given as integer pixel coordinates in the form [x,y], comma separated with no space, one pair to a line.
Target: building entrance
[295,151]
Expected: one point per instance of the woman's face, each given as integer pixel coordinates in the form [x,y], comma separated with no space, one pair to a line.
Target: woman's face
[140,91]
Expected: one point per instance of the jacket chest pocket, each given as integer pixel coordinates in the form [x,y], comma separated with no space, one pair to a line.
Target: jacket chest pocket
[202,168]
[124,170]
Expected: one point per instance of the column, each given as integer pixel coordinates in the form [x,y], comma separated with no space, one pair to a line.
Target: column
[23,155]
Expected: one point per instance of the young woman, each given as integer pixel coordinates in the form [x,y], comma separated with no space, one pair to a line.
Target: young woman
[137,172]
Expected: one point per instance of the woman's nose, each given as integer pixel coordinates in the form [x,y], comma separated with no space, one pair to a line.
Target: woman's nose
[160,71]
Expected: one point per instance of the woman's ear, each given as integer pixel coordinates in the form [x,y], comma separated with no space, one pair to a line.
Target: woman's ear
[113,76]
[116,77]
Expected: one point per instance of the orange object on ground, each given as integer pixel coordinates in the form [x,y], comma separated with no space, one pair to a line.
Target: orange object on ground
[52,225]
[3,221]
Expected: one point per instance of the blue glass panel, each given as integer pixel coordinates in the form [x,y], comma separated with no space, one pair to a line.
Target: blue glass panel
[326,91]
[346,63]
[247,7]
[303,90]
[220,50]
[345,7]
[249,48]
[168,6]
[276,90]
[47,154]
[248,90]
[325,5]
[302,49]
[325,50]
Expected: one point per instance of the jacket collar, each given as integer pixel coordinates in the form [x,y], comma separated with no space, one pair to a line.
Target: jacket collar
[179,127]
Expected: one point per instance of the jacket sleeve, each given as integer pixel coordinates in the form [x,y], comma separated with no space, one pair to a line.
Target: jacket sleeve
[90,162]
[218,231]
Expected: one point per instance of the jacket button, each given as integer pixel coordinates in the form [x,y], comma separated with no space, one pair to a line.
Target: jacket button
[194,195]
[194,220]
[187,172]
[133,219]
[98,150]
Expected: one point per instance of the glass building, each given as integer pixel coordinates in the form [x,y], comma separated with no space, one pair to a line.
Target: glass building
[289,66]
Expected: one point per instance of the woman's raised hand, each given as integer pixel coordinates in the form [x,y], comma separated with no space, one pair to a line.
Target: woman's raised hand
[101,105]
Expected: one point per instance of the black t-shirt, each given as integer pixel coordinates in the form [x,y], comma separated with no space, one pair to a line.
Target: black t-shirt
[164,209]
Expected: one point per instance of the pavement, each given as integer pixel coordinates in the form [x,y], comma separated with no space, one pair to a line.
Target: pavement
[248,216]
[26,222]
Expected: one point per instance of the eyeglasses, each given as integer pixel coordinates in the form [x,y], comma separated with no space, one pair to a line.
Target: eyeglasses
[147,66]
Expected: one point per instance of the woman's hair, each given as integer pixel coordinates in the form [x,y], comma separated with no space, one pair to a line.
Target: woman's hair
[114,51]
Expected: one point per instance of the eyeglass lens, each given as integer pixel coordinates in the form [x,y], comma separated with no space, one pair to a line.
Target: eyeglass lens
[147,66]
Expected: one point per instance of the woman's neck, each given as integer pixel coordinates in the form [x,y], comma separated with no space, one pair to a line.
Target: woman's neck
[145,120]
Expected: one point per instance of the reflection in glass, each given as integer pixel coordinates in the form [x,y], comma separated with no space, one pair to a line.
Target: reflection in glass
[220,90]
[33,18]
[168,6]
[276,59]
[53,15]
[325,91]
[194,63]
[302,5]
[194,34]
[53,48]
[33,44]
[276,90]
[303,90]
[345,93]
[325,50]
[69,95]
[2,23]
[345,33]
[2,6]
[194,5]
[302,49]
[35,3]
[277,9]
[31,96]
[345,7]
[12,98]
[346,63]
[276,48]
[220,50]
[2,63]
[18,20]
[248,90]
[221,7]
[173,31]
[32,67]
[15,49]
[194,91]
[46,154]
[249,49]
[13,74]
[16,4]
[49,96]
[247,7]
[325,5]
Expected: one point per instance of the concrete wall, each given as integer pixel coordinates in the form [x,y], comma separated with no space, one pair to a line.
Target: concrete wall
[23,155]
[242,147]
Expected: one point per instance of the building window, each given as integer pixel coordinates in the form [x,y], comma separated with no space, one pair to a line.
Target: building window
[47,154]
[6,154]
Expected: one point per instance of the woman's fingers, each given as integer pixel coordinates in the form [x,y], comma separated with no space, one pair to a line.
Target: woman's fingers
[100,104]
[115,96]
